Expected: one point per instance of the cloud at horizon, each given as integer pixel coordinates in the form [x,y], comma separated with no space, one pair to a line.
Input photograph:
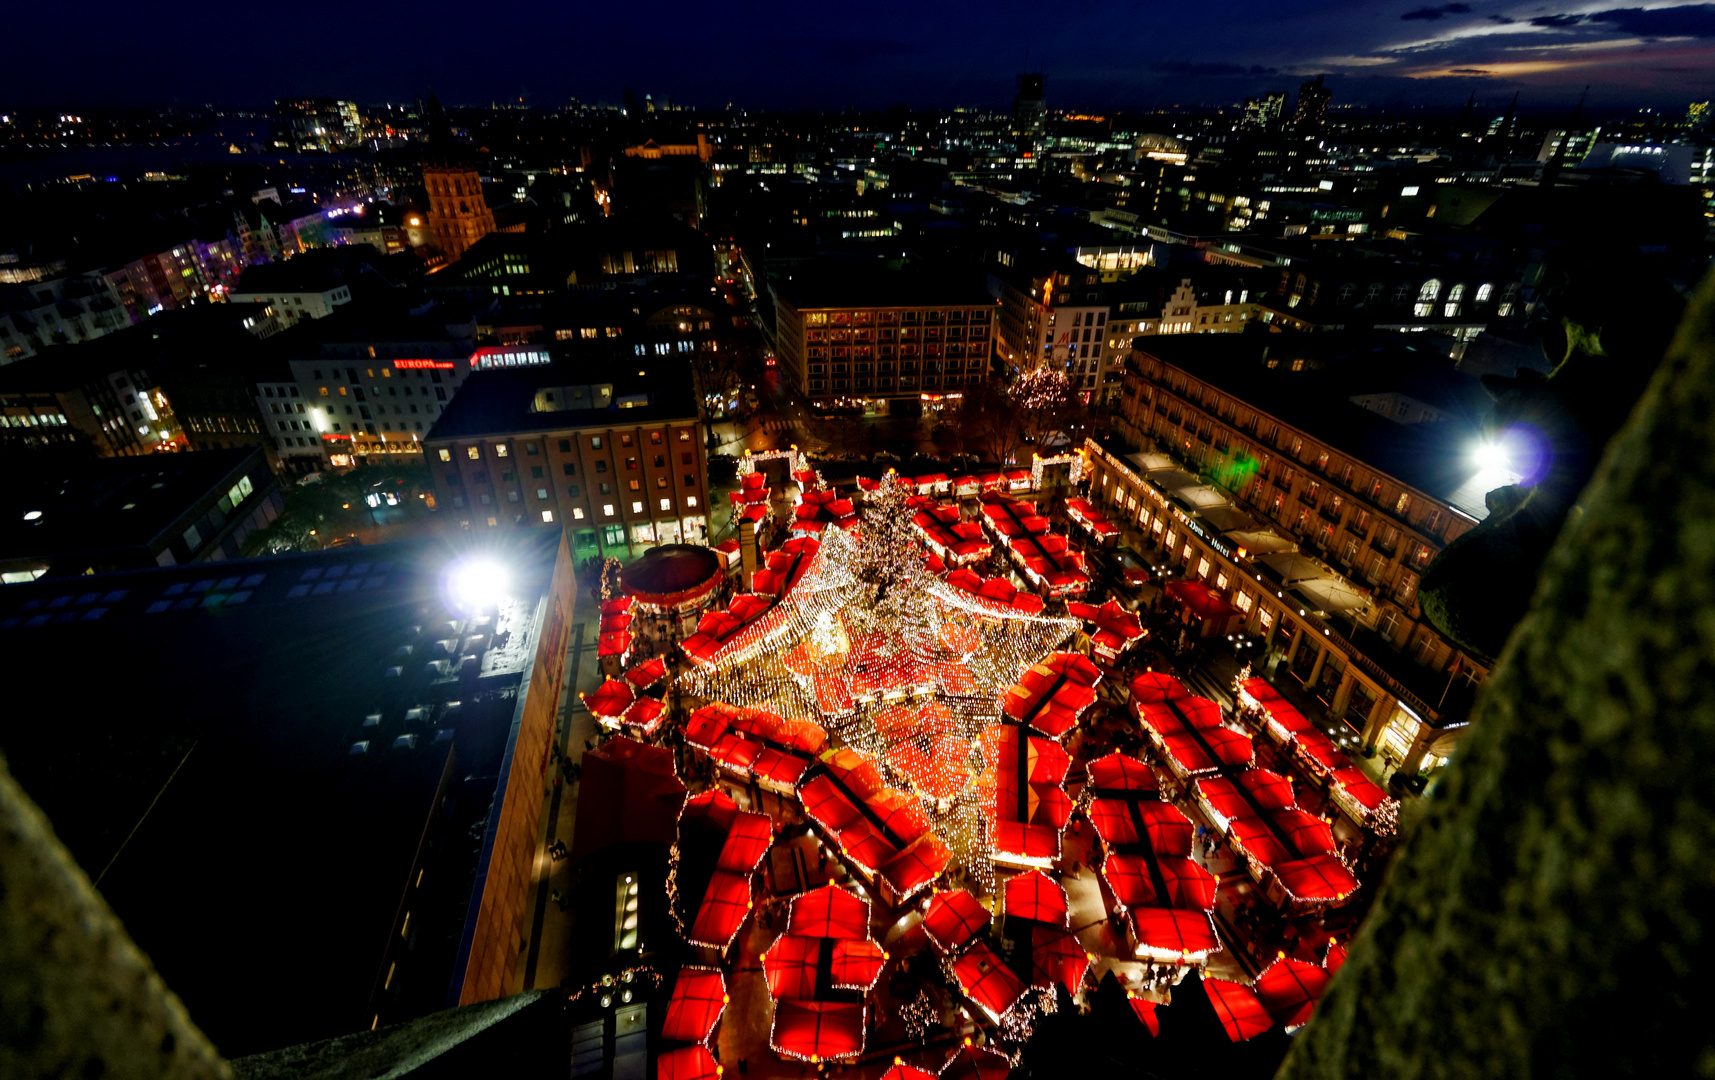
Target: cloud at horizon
[1097,54]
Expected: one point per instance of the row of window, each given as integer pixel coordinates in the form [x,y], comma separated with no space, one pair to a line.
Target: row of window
[894,318]
[608,510]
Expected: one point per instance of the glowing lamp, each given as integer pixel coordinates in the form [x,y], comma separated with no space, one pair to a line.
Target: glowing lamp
[474,584]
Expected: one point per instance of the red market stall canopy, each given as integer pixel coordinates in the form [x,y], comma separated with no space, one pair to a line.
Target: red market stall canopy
[1238,1009]
[817,1030]
[717,629]
[1118,772]
[616,606]
[646,714]
[1289,990]
[901,1071]
[826,952]
[957,542]
[672,576]
[877,829]
[1201,599]
[1319,879]
[987,981]
[1029,808]
[614,644]
[1221,797]
[1051,563]
[647,673]
[610,698]
[695,1006]
[1035,896]
[1357,794]
[634,796]
[1173,935]
[724,902]
[1057,957]
[954,918]
[1145,1011]
[1318,752]
[976,1063]
[786,566]
[829,912]
[687,1063]
[933,484]
[1080,511]
[806,479]
[1050,696]
[816,510]
[995,592]
[1114,631]
[1155,687]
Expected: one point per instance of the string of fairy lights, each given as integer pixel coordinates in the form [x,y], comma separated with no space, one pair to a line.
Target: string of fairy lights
[867,630]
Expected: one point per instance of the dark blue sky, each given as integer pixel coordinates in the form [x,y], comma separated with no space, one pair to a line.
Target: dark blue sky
[1098,54]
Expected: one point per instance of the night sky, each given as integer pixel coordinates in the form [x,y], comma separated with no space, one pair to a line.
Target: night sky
[1098,54]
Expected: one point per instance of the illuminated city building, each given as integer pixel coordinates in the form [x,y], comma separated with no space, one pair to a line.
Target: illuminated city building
[619,464]
[880,337]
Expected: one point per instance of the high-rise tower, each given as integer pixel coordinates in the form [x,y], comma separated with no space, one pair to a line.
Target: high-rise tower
[458,215]
[1312,107]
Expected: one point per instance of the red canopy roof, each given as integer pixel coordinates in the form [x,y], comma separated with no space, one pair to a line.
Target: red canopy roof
[1156,686]
[976,1063]
[1035,896]
[986,980]
[1173,934]
[856,965]
[699,996]
[1238,1008]
[953,918]
[1145,1011]
[647,714]
[790,965]
[1360,788]
[1289,990]
[687,1063]
[901,1071]
[647,673]
[1117,772]
[817,1030]
[1317,879]
[610,698]
[1201,599]
[1056,957]
[830,912]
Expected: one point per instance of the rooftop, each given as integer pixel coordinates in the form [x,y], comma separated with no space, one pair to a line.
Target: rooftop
[254,739]
[99,508]
[866,283]
[501,402]
[1433,457]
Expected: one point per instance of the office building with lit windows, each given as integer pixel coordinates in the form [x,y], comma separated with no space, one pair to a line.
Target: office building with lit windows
[610,450]
[867,336]
[1311,479]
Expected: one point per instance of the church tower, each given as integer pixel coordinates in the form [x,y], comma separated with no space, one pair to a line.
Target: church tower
[458,216]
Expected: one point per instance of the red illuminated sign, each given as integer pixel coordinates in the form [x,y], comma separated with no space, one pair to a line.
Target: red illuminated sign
[329,436]
[406,365]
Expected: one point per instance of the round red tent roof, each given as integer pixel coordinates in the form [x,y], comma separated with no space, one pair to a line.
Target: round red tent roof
[672,574]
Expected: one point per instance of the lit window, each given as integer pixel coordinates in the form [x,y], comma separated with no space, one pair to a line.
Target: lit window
[547,515]
[577,513]
[666,504]
[446,455]
[500,450]
[607,509]
[690,500]
[637,508]
[472,452]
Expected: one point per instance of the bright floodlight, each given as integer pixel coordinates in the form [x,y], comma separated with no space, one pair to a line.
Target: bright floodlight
[1490,455]
[475,584]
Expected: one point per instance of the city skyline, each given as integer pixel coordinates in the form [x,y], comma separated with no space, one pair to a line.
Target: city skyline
[1097,57]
